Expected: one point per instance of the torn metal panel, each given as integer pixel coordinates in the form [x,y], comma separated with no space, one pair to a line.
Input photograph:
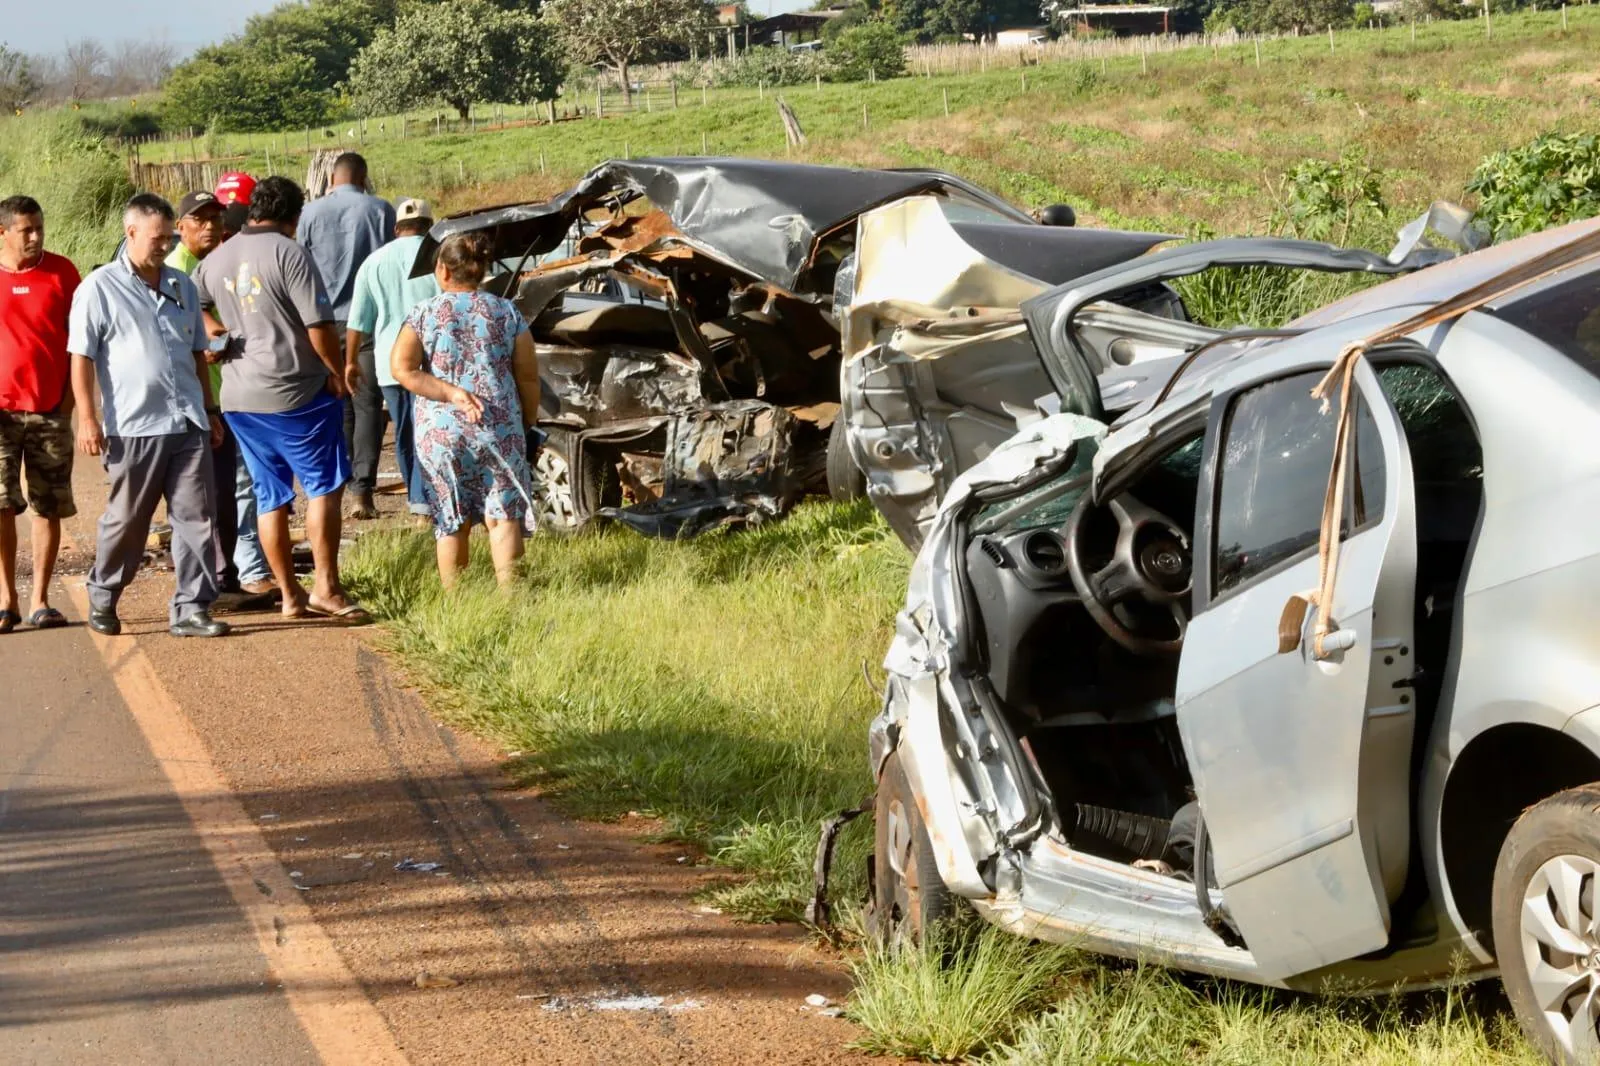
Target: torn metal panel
[763,217]
[723,464]
[586,386]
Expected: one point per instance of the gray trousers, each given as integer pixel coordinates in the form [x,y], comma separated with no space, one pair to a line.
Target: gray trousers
[143,471]
[363,419]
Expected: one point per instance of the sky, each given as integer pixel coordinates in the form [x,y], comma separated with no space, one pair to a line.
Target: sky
[37,26]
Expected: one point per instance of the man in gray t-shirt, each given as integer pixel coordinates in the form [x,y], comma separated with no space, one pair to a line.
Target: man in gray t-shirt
[284,380]
[266,286]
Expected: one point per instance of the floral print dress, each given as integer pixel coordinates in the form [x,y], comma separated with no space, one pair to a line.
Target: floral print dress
[471,470]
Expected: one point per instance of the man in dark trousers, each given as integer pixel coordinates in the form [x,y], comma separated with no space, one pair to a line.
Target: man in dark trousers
[138,338]
[36,290]
[341,230]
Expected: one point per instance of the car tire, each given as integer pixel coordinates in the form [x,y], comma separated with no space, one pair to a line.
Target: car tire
[1554,846]
[846,482]
[559,507]
[908,897]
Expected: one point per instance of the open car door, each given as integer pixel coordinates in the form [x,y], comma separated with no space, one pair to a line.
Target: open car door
[1302,762]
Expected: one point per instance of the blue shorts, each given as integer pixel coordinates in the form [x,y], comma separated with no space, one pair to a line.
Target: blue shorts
[306,443]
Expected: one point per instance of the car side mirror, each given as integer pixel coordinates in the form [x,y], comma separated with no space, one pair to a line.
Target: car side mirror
[1058,215]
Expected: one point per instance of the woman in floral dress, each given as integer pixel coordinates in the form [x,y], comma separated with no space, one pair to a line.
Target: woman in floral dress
[468,358]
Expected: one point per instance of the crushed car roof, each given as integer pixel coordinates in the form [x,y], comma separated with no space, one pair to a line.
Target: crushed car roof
[761,216]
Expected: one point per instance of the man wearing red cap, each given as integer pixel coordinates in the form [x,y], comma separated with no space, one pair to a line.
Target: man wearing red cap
[235,187]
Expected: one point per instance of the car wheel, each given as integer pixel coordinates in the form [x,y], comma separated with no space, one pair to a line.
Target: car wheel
[845,480]
[908,897]
[1546,908]
[557,503]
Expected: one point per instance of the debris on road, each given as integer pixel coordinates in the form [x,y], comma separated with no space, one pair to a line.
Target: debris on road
[429,980]
[817,999]
[413,866]
[611,1001]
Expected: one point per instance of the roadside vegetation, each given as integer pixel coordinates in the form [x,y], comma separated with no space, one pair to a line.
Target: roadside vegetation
[975,994]
[714,684]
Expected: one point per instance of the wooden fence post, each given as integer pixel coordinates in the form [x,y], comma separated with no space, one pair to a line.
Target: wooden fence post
[946,93]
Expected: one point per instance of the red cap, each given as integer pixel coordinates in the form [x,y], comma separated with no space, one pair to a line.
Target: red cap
[235,187]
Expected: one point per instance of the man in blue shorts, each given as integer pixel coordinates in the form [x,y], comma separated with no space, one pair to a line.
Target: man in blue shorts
[284,381]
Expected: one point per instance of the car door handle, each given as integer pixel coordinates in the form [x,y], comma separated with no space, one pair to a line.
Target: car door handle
[1340,640]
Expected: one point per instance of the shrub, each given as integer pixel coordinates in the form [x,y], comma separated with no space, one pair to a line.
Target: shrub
[1323,200]
[769,66]
[1547,182]
[236,87]
[79,181]
[872,49]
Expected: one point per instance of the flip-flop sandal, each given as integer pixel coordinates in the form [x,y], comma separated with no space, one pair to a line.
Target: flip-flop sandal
[9,620]
[350,615]
[47,618]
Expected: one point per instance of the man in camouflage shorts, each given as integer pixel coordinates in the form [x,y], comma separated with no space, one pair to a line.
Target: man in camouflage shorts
[36,435]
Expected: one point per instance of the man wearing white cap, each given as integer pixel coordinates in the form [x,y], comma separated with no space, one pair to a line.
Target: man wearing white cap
[384,291]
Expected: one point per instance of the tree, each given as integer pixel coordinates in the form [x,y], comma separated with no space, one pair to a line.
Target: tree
[17,83]
[618,33]
[331,32]
[870,50]
[83,64]
[232,87]
[458,54]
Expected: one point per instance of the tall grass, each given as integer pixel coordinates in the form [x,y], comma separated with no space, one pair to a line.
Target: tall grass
[715,683]
[79,181]
[979,994]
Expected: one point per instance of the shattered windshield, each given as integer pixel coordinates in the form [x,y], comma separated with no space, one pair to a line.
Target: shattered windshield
[1049,504]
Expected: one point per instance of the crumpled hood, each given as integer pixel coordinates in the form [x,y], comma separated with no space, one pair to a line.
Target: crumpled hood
[762,216]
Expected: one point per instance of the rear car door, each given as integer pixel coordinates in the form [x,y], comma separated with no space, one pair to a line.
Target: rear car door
[1300,761]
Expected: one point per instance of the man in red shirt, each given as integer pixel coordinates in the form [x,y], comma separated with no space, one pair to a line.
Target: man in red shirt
[36,435]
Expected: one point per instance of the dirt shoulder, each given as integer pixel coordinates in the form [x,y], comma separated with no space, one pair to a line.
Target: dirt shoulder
[565,941]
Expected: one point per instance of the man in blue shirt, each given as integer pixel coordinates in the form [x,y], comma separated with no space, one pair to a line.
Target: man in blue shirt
[384,292]
[137,336]
[341,230]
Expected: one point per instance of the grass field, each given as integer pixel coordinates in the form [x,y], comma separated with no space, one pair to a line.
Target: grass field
[1197,140]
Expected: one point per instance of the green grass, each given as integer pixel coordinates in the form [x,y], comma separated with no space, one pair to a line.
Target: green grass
[716,683]
[978,994]
[80,183]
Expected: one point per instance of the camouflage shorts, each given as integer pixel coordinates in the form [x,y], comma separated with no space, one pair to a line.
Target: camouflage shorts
[40,447]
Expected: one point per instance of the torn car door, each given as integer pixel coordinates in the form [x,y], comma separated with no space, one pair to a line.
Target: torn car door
[1300,760]
[938,366]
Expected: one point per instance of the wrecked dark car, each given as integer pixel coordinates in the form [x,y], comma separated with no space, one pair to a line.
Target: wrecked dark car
[1280,663]
[682,311]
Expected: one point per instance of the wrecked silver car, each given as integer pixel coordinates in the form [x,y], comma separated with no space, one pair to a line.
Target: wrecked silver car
[1280,663]
[687,343]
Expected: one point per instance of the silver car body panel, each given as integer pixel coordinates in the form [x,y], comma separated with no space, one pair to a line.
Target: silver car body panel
[1525,650]
[938,366]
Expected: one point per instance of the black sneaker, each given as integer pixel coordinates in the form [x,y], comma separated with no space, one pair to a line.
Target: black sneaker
[106,623]
[199,624]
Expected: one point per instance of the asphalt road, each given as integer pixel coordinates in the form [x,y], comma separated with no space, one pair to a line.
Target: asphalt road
[203,859]
[119,942]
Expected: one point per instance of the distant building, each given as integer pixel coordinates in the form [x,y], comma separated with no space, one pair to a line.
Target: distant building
[1124,20]
[1021,36]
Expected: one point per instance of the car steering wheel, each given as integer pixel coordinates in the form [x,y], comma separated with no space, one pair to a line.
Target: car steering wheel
[1151,562]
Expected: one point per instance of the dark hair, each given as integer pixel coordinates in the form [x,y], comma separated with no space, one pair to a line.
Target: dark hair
[234,217]
[351,164]
[147,205]
[276,200]
[12,206]
[466,256]
[410,226]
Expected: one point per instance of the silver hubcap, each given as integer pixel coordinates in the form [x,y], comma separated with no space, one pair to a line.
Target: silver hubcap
[1561,951]
[552,491]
